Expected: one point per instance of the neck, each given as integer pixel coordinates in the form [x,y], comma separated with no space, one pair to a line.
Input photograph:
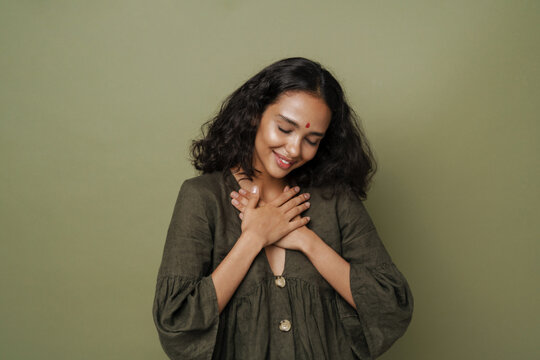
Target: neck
[265,182]
[270,187]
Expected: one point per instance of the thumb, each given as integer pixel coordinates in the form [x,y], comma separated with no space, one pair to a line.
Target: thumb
[253,197]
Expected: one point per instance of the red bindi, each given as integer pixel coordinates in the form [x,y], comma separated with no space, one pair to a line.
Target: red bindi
[307,125]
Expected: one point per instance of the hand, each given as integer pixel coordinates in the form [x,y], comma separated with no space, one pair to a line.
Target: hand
[294,240]
[240,200]
[298,239]
[272,221]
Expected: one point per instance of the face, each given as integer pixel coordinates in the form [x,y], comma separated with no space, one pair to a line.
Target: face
[289,133]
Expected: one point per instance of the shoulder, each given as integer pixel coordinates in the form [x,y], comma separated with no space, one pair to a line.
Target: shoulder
[205,183]
[352,211]
[339,197]
[334,198]
[210,188]
[201,195]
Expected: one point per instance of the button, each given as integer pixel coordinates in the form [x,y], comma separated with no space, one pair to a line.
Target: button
[284,325]
[280,281]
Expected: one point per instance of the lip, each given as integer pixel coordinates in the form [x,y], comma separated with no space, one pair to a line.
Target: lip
[280,159]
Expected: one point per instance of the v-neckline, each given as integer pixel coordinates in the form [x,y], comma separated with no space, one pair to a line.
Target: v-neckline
[269,267]
[235,186]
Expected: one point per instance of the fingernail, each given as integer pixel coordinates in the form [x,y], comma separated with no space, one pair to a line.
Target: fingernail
[242,191]
[306,195]
[235,202]
[296,189]
[234,194]
[308,218]
[307,204]
[254,189]
[286,188]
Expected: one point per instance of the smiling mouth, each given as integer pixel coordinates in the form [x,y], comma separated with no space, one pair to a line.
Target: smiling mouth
[283,162]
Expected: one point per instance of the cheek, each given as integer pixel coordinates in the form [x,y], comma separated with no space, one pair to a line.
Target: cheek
[309,152]
[273,137]
[265,137]
[270,138]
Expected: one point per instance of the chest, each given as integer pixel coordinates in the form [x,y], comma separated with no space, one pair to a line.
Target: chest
[274,261]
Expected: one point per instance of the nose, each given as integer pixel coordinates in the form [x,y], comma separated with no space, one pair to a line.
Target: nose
[293,147]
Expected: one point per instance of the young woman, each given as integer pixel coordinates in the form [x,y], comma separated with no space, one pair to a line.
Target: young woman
[270,253]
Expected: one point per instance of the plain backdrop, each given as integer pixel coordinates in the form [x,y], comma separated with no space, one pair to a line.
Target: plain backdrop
[99,101]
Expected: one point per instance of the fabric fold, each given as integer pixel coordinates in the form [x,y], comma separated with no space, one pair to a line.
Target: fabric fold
[186,317]
[383,309]
[323,325]
[384,303]
[185,308]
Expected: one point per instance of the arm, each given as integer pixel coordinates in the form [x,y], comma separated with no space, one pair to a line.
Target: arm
[379,303]
[383,299]
[332,267]
[330,264]
[260,227]
[185,307]
[232,270]
[188,298]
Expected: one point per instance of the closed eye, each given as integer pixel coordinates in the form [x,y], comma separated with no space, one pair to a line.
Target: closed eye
[284,131]
[312,143]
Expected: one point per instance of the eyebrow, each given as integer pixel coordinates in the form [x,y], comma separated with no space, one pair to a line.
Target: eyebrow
[295,124]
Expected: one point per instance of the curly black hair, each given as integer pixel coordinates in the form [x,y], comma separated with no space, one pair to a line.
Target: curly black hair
[343,159]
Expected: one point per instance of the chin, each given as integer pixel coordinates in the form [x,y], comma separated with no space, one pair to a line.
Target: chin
[279,173]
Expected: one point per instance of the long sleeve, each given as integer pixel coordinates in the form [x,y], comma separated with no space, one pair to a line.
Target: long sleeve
[384,302]
[185,307]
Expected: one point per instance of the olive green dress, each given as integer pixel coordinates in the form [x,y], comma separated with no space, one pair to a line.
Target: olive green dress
[294,316]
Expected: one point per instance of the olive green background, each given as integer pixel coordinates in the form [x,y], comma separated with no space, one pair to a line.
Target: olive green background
[99,101]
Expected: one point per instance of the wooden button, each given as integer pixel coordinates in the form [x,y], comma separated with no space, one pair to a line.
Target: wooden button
[280,281]
[285,325]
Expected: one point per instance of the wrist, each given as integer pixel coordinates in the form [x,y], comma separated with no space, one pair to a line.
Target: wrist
[310,241]
[253,240]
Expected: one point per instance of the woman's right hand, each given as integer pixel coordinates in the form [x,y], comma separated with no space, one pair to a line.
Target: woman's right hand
[274,220]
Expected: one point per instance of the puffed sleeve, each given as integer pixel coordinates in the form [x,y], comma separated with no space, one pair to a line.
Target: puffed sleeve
[185,306]
[383,300]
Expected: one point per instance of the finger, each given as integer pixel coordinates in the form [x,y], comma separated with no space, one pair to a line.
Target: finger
[281,199]
[241,196]
[298,210]
[295,224]
[253,198]
[243,200]
[238,205]
[243,192]
[295,201]
[239,201]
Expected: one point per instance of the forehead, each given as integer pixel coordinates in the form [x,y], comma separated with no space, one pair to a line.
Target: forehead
[303,108]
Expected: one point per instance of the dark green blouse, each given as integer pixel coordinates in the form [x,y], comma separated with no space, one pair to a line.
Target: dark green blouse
[296,316]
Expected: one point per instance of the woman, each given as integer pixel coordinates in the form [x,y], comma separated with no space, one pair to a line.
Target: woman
[284,169]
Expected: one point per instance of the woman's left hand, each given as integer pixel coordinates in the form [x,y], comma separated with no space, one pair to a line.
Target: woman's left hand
[295,240]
